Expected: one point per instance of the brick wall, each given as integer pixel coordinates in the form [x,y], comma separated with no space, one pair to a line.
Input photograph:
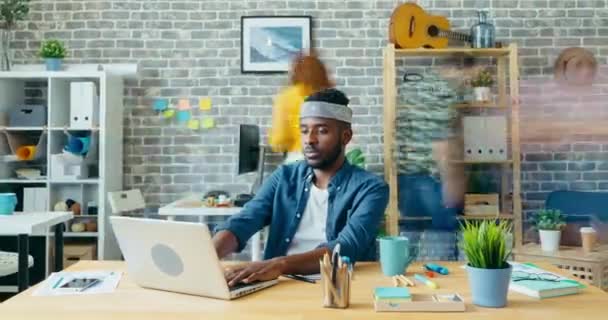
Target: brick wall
[191,49]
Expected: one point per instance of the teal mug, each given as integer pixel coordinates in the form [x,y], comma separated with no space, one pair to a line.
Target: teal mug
[8,201]
[396,254]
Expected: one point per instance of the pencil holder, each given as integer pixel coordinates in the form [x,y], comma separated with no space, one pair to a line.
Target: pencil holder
[336,292]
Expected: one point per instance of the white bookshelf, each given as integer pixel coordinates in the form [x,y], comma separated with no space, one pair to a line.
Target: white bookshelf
[105,164]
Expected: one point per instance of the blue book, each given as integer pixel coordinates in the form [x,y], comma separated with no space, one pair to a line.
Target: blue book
[544,289]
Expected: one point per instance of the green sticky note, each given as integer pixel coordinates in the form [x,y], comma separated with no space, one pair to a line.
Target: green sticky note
[208,123]
[169,113]
[193,124]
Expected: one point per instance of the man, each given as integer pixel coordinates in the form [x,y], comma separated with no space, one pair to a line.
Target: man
[312,205]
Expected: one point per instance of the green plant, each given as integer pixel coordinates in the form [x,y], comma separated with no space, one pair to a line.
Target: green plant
[485,243]
[482,79]
[549,219]
[12,11]
[355,157]
[52,49]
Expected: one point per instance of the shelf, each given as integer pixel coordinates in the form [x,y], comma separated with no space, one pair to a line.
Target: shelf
[82,181]
[482,162]
[80,234]
[23,181]
[477,104]
[94,129]
[421,52]
[84,216]
[462,217]
[22,128]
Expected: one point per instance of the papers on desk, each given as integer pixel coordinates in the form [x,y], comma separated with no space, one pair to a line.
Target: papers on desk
[77,283]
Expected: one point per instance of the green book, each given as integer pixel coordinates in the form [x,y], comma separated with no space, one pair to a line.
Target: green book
[544,289]
[392,294]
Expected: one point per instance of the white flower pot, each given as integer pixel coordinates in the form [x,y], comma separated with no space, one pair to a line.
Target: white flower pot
[482,93]
[549,240]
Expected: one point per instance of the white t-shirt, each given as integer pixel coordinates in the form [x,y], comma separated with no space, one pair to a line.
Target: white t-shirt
[311,231]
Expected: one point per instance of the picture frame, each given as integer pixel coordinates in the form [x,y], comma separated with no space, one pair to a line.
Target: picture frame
[269,43]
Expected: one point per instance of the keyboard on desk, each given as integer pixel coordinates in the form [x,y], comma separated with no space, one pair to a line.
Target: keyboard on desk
[241,285]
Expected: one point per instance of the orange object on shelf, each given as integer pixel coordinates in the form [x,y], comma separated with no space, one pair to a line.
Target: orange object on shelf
[26,153]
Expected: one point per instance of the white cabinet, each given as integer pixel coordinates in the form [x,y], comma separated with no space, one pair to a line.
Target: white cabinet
[77,103]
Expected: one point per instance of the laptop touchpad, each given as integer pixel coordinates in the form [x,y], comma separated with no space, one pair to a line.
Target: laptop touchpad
[167,260]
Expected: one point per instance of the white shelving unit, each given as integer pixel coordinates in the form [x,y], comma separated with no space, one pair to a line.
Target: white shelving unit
[105,163]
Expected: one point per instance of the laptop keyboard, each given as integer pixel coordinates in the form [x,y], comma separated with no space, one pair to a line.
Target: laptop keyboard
[242,285]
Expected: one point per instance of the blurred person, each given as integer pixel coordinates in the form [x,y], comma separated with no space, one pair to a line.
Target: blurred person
[308,75]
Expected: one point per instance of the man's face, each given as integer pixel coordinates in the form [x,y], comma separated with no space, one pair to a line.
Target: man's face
[323,141]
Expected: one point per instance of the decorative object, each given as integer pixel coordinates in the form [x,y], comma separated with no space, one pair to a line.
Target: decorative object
[575,66]
[73,206]
[549,224]
[8,202]
[482,33]
[11,11]
[268,43]
[78,227]
[53,52]
[485,246]
[481,84]
[60,206]
[91,226]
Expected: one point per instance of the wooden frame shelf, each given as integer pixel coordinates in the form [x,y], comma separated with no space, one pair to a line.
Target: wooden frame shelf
[507,99]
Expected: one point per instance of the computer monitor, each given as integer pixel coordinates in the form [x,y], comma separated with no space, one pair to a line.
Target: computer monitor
[249,148]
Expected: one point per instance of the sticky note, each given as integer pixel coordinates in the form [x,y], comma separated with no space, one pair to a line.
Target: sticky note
[169,113]
[193,124]
[208,123]
[204,104]
[160,104]
[183,104]
[183,116]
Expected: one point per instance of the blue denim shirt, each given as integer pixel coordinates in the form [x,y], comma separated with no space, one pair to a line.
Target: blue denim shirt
[356,204]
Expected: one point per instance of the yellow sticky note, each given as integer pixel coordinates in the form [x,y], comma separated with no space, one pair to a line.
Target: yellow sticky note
[204,104]
[208,123]
[193,124]
[169,113]
[183,104]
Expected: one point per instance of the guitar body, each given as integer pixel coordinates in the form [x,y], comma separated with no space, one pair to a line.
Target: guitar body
[411,27]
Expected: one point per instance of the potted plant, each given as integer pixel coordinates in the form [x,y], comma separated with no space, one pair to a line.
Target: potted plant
[549,224]
[53,52]
[486,248]
[11,11]
[481,84]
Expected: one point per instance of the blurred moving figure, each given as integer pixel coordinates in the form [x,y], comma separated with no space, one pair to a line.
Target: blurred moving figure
[307,76]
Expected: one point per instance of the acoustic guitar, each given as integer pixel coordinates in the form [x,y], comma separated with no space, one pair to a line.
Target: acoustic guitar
[411,27]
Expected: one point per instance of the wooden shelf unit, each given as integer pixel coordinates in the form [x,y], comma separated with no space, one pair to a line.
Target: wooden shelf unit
[507,99]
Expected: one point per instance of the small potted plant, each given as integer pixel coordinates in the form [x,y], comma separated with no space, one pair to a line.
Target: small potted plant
[481,84]
[53,52]
[486,248]
[549,224]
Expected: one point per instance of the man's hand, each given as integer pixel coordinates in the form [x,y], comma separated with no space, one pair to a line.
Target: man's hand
[255,271]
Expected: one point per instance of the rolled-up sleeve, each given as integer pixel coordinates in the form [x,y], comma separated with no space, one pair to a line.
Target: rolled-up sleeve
[358,237]
[255,214]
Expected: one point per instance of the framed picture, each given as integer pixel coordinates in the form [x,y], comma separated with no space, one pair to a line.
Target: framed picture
[268,43]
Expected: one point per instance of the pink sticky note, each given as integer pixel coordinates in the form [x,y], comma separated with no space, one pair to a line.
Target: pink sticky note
[183,104]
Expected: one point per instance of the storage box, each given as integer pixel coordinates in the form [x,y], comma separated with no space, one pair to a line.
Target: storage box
[84,105]
[72,253]
[28,116]
[481,204]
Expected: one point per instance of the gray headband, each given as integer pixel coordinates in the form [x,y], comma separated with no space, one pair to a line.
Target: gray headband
[322,109]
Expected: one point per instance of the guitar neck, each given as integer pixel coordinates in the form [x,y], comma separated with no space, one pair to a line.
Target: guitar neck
[455,35]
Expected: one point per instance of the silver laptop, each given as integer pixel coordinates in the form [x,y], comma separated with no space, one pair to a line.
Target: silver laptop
[175,256]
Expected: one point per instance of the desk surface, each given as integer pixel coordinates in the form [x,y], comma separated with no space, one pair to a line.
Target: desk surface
[193,206]
[28,223]
[289,299]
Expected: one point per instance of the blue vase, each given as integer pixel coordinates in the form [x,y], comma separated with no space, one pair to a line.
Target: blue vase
[489,287]
[53,64]
[482,34]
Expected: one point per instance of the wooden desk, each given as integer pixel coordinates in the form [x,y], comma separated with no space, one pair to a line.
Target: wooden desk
[290,299]
[23,225]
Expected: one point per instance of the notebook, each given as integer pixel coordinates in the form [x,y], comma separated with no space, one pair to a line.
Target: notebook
[539,288]
[392,294]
